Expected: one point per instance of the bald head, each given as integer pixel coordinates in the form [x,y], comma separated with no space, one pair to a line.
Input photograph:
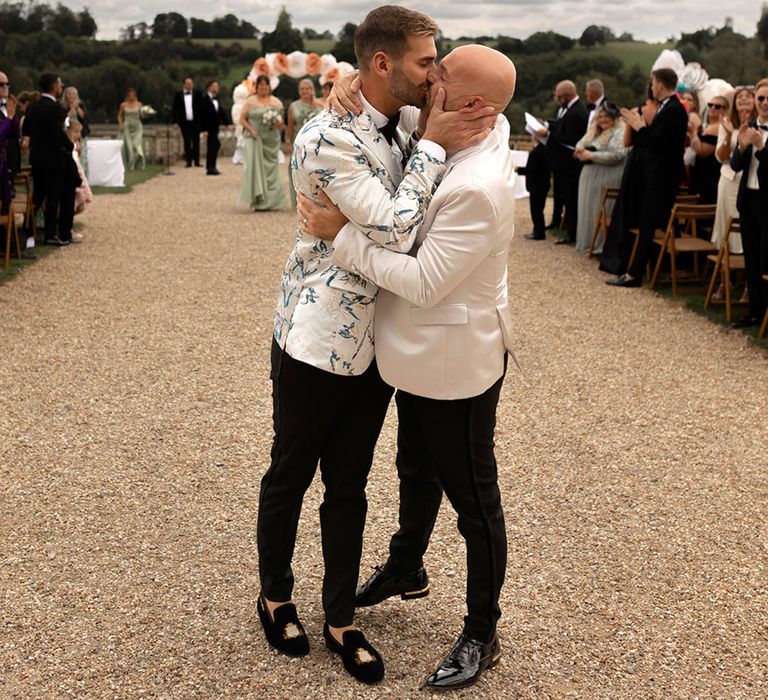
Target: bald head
[475,75]
[565,91]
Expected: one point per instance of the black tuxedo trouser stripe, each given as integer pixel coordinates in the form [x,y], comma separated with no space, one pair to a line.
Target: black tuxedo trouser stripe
[191,136]
[754,238]
[448,446]
[334,420]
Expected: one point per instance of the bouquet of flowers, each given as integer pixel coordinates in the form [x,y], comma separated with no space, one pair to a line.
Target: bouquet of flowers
[146,111]
[270,117]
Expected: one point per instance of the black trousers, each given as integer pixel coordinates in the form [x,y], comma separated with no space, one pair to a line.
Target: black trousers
[754,238]
[658,201]
[448,446]
[191,136]
[212,150]
[537,200]
[558,197]
[570,185]
[334,420]
[56,189]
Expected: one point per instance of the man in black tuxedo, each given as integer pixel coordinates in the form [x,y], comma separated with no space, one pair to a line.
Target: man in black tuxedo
[564,132]
[54,172]
[186,114]
[594,92]
[663,144]
[212,116]
[751,158]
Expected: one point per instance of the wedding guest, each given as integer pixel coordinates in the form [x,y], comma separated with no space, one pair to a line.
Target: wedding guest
[23,100]
[626,211]
[75,109]
[326,90]
[704,174]
[212,117]
[742,111]
[262,183]
[299,113]
[663,140]
[50,154]
[83,194]
[594,92]
[129,122]
[690,101]
[564,132]
[537,175]
[9,133]
[12,154]
[751,158]
[186,116]
[603,154]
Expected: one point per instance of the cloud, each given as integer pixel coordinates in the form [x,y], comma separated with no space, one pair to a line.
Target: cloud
[653,20]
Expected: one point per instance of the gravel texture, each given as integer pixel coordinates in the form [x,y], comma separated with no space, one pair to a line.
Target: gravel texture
[135,422]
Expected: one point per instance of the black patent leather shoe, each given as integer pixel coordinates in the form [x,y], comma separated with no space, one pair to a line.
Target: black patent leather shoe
[465,663]
[360,659]
[382,585]
[534,237]
[625,281]
[285,632]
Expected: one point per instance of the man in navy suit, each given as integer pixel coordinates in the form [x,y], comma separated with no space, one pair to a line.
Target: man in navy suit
[751,158]
[662,142]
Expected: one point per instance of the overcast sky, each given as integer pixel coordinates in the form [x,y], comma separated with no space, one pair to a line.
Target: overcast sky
[651,20]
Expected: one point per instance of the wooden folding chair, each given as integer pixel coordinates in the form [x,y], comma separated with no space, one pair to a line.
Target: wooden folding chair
[725,264]
[602,220]
[764,324]
[8,224]
[23,204]
[659,232]
[689,215]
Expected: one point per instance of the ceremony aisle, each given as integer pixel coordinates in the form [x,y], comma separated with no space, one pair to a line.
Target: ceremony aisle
[135,416]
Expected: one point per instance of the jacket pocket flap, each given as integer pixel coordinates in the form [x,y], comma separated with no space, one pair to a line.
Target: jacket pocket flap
[445,315]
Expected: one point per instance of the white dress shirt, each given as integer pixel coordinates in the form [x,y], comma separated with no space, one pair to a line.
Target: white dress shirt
[752,181]
[188,106]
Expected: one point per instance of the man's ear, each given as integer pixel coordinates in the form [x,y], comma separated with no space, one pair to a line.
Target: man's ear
[473,104]
[381,64]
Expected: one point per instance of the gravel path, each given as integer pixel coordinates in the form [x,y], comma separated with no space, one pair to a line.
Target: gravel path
[135,424]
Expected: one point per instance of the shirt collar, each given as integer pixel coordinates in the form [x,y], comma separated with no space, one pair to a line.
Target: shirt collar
[49,96]
[213,97]
[377,117]
[572,102]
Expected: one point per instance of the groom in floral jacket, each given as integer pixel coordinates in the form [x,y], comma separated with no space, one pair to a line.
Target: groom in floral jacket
[329,400]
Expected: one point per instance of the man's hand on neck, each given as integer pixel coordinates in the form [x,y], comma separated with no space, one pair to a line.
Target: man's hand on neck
[455,131]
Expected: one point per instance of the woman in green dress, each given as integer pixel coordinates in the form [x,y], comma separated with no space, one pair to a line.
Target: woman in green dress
[299,113]
[129,121]
[262,121]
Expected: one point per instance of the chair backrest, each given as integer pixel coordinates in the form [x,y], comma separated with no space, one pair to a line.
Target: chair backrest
[688,215]
[687,198]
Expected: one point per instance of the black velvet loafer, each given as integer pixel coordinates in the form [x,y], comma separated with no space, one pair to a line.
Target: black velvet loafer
[285,632]
[360,659]
[465,663]
[382,585]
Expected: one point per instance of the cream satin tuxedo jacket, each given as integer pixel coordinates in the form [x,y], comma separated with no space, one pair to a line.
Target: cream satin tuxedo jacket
[324,314]
[442,317]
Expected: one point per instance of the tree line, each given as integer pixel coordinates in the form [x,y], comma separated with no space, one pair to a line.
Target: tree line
[32,17]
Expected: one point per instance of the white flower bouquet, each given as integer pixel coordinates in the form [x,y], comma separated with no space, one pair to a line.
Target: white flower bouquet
[271,117]
[146,111]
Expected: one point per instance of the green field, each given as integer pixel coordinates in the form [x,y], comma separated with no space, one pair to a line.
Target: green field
[320,46]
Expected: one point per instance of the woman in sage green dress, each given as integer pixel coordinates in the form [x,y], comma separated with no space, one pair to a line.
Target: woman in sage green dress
[299,113]
[129,121]
[262,121]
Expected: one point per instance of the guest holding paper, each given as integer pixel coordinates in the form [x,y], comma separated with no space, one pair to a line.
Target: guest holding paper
[537,175]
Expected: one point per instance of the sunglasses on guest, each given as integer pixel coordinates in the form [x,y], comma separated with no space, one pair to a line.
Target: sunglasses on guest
[4,84]
[762,98]
[715,105]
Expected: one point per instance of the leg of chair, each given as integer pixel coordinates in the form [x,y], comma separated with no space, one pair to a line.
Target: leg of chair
[634,250]
[763,325]
[715,273]
[658,265]
[595,231]
[7,257]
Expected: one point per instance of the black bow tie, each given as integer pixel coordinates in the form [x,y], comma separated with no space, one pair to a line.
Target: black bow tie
[388,130]
[591,107]
[764,127]
[187,93]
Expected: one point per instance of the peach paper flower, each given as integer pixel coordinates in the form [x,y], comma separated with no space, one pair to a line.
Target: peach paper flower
[260,66]
[314,64]
[281,63]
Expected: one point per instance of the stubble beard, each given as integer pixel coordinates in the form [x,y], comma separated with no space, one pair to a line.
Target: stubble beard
[405,91]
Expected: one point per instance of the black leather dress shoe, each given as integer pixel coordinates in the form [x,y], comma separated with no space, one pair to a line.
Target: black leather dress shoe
[213,172]
[382,585]
[745,322]
[625,281]
[56,241]
[188,165]
[465,664]
[564,241]
[360,659]
[552,226]
[534,237]
[285,632]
